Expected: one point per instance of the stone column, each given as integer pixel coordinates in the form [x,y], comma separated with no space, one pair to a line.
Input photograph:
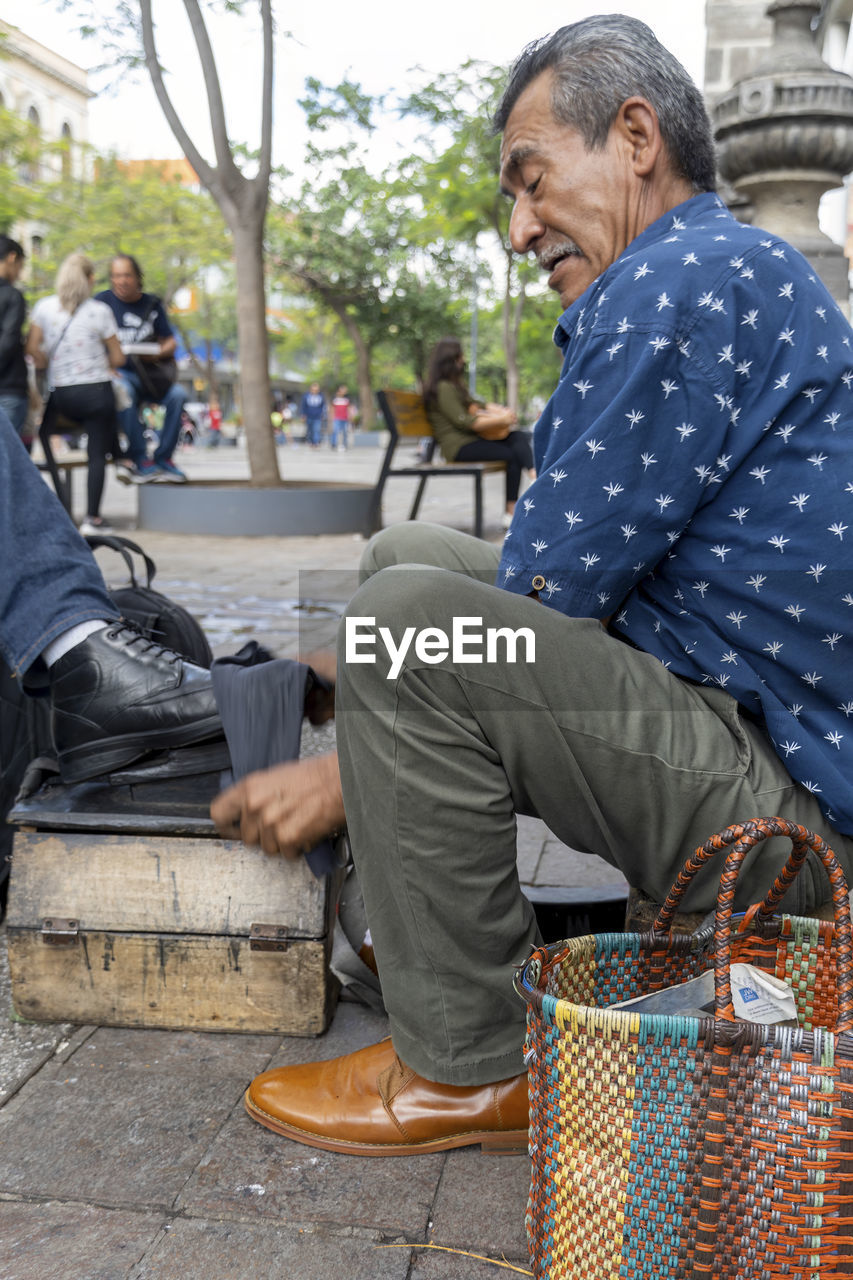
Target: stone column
[785,136]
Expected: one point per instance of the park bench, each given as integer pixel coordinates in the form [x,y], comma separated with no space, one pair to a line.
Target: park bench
[405,417]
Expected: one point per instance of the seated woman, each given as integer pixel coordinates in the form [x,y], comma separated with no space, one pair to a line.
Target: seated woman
[74,338]
[468,430]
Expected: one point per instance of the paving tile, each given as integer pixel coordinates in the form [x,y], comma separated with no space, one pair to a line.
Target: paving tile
[251,1172]
[223,1249]
[564,866]
[531,838]
[248,1171]
[125,1120]
[481,1203]
[112,1050]
[24,1046]
[432,1264]
[63,1241]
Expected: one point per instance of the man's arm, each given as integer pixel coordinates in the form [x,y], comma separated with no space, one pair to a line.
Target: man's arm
[630,447]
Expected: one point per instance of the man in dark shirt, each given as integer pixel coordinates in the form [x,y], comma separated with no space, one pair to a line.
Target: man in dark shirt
[13,368]
[142,322]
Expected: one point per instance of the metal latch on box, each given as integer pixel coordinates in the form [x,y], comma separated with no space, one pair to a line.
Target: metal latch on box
[269,937]
[59,931]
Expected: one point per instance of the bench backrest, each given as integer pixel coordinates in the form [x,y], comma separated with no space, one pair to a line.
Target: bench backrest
[406,408]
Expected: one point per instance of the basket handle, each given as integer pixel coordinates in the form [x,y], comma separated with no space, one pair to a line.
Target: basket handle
[739,839]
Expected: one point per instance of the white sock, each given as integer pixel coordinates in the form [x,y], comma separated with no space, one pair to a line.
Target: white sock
[73,636]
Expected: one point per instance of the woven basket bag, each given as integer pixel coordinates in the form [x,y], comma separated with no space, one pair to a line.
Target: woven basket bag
[674,1146]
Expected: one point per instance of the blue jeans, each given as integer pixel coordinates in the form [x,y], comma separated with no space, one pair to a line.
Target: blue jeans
[15,408]
[131,424]
[313,429]
[48,576]
[339,432]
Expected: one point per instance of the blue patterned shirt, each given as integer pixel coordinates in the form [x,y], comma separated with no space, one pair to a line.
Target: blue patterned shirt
[695,481]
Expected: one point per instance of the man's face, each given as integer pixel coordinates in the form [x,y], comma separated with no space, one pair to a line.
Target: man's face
[123,281]
[572,207]
[12,266]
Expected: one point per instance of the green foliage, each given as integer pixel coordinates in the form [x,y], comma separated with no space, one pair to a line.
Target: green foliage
[353,241]
[175,233]
[457,180]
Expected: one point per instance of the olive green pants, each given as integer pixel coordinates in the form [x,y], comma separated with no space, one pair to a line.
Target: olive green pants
[617,756]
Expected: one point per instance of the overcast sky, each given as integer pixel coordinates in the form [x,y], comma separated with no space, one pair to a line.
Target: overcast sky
[376,42]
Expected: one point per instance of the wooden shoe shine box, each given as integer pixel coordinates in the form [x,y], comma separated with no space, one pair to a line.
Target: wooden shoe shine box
[126,909]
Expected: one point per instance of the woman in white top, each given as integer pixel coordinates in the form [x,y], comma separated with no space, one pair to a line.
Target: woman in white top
[74,338]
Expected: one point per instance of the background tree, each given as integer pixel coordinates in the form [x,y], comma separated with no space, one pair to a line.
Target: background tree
[352,240]
[128,30]
[174,231]
[457,182]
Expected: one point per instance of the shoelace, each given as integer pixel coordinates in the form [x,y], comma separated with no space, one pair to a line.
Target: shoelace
[137,638]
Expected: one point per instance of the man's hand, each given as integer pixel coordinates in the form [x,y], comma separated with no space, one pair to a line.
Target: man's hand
[287,809]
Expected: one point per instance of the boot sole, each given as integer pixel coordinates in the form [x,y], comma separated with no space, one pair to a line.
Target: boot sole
[108,754]
[510,1142]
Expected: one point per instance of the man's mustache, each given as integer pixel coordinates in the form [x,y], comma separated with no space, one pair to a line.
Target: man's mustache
[550,255]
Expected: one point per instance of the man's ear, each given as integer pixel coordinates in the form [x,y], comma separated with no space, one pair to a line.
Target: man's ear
[637,122]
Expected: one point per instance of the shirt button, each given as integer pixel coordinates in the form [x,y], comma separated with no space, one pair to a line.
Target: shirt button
[538,582]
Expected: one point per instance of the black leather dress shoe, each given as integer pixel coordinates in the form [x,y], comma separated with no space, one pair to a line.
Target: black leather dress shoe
[117,696]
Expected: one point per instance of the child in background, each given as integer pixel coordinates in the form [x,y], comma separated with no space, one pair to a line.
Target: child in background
[340,419]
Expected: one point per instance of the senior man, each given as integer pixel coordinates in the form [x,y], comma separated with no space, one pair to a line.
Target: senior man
[683,562]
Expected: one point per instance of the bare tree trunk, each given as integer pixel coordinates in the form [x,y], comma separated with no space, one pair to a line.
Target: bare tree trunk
[210,365]
[362,350]
[254,361]
[243,202]
[512,310]
[362,363]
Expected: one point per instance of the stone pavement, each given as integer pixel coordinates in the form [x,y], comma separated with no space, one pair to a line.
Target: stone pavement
[126,1154]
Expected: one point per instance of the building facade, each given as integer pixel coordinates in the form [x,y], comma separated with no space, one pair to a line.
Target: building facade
[52,94]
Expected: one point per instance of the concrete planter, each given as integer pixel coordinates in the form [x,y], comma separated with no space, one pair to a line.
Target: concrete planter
[369,439]
[234,508]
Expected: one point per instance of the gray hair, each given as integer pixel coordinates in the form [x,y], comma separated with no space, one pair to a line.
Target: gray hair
[600,62]
[74,281]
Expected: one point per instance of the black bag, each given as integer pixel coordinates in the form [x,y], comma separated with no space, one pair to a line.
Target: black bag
[156,376]
[158,617]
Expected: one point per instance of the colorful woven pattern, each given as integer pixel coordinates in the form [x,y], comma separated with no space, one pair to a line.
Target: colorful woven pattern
[681,1147]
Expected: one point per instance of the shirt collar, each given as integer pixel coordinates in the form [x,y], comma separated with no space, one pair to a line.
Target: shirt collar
[689,210]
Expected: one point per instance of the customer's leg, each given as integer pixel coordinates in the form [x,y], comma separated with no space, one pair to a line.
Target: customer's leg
[130,423]
[616,755]
[173,403]
[15,408]
[49,580]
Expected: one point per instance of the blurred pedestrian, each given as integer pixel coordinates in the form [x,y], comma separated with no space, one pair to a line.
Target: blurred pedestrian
[14,394]
[313,410]
[74,338]
[341,413]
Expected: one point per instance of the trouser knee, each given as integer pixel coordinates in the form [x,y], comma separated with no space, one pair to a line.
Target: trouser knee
[409,597]
[409,543]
